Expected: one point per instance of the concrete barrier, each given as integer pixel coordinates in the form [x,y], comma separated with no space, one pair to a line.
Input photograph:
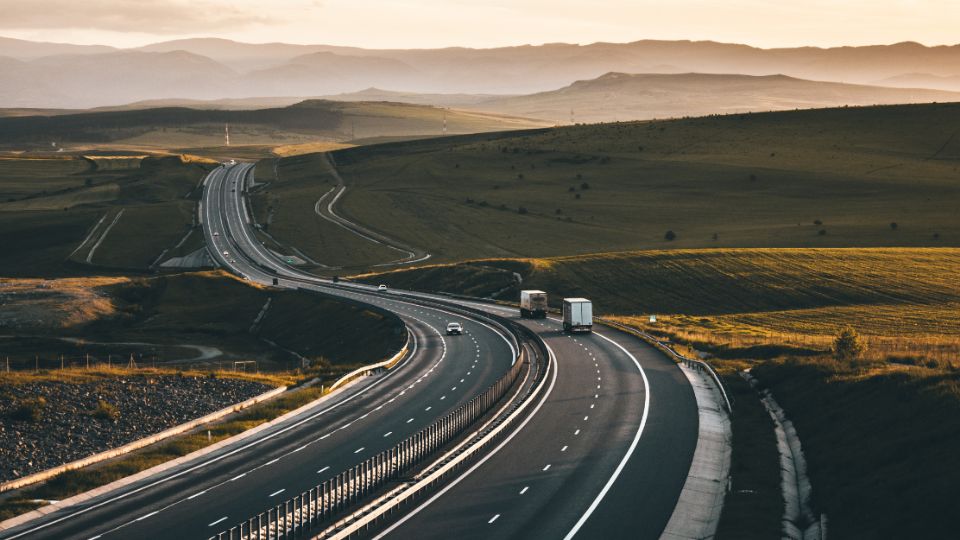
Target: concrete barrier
[135,445]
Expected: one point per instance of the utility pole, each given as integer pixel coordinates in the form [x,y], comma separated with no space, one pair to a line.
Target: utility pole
[226,134]
[36,363]
[573,119]
[444,121]
[61,362]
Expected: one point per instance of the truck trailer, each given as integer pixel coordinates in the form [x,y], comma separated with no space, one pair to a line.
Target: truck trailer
[577,315]
[533,304]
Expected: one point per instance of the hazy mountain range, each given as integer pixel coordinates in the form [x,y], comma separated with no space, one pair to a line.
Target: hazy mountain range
[78,76]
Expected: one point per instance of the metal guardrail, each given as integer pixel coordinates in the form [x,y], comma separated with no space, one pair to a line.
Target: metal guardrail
[692,362]
[492,431]
[386,364]
[321,505]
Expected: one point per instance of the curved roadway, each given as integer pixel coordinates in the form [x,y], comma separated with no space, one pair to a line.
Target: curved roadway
[200,497]
[605,453]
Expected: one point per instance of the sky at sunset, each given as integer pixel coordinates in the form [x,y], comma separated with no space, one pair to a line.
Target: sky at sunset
[484,23]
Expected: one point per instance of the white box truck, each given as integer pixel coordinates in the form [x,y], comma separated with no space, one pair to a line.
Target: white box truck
[577,315]
[533,304]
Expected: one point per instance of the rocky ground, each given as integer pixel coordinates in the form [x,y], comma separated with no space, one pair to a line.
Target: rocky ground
[70,422]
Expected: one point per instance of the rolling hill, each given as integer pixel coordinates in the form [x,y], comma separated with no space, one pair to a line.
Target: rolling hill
[217,69]
[621,96]
[310,121]
[815,179]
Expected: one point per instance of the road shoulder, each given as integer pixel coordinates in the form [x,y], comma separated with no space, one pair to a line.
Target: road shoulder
[697,513]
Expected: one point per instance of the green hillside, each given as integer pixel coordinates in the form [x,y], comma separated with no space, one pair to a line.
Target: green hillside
[880,176]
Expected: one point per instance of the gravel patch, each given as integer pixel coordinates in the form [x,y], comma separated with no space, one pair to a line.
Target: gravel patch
[69,429]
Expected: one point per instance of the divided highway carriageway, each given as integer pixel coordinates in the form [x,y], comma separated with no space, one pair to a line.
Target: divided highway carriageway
[602,450]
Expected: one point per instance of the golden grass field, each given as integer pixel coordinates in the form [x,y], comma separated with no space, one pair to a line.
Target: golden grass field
[903,300]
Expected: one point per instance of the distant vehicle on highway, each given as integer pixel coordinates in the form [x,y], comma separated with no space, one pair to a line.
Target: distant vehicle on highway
[533,304]
[215,233]
[233,162]
[577,315]
[225,252]
[382,287]
[454,328]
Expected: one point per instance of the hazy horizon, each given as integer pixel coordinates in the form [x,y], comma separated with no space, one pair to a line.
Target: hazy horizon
[493,23]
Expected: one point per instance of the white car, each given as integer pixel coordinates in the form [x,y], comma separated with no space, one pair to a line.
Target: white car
[225,252]
[382,287]
[454,328]
[215,233]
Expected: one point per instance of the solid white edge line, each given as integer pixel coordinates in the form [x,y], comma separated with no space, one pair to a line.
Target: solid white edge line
[633,445]
[415,511]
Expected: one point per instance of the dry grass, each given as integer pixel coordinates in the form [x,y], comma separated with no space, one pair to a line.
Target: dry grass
[751,302]
[288,150]
[42,303]
[80,375]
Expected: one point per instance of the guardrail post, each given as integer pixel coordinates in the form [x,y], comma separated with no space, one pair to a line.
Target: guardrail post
[311,505]
[324,501]
[351,485]
[270,524]
[366,477]
[298,513]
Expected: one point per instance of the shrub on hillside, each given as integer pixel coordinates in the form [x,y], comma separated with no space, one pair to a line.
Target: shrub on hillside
[670,236]
[29,410]
[848,345]
[105,411]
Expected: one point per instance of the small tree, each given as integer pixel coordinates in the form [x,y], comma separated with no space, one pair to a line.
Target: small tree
[848,345]
[893,225]
[670,236]
[522,210]
[584,186]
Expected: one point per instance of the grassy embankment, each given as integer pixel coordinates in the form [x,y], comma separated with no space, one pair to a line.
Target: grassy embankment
[874,426]
[761,180]
[168,313]
[52,205]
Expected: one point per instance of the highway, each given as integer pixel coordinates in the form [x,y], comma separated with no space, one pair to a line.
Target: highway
[197,498]
[604,454]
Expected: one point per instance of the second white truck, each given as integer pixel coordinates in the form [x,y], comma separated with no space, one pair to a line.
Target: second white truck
[577,315]
[533,304]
